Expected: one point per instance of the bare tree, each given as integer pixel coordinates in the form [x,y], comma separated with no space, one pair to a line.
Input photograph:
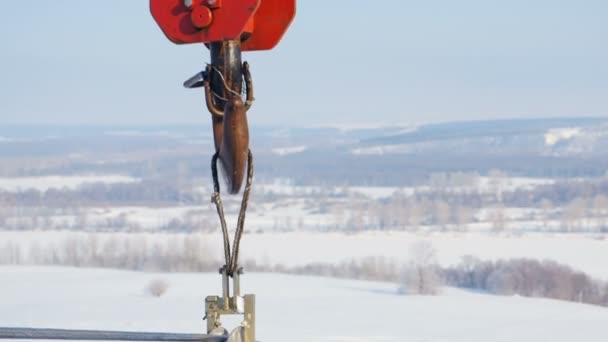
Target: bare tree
[546,207]
[416,214]
[498,219]
[573,214]
[441,214]
[420,275]
[600,206]
[496,183]
[462,216]
[157,287]
[81,221]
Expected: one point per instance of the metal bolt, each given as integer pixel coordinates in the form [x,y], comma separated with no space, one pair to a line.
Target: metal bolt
[201,17]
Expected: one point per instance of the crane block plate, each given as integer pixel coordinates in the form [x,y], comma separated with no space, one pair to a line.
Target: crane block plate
[203,21]
[271,21]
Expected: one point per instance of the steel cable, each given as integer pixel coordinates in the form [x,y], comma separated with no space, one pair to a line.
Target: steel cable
[215,198]
[240,226]
[232,260]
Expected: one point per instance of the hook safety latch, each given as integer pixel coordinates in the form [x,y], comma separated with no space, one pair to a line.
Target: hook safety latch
[197,81]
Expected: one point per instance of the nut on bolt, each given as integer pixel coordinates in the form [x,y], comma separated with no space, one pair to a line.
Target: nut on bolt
[201,16]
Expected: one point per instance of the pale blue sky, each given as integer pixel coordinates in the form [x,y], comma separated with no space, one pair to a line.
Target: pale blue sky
[342,62]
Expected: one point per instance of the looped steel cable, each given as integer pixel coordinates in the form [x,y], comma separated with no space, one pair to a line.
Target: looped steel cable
[215,198]
[232,260]
[240,226]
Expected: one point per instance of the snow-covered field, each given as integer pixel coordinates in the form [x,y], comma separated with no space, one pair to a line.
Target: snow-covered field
[289,308]
[286,206]
[287,189]
[480,184]
[283,151]
[580,252]
[583,253]
[44,183]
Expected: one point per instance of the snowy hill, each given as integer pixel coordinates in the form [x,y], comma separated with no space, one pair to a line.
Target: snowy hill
[556,137]
[378,155]
[290,308]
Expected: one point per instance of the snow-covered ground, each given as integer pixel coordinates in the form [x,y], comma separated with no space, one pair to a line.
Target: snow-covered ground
[286,207]
[289,308]
[480,185]
[287,189]
[44,183]
[383,149]
[581,252]
[283,151]
[553,136]
[492,184]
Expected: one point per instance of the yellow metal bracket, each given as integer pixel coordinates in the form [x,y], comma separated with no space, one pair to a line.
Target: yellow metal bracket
[216,306]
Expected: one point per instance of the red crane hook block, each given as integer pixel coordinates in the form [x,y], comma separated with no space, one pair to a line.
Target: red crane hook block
[259,23]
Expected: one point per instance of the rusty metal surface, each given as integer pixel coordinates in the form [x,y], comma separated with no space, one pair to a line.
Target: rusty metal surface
[235,144]
[228,110]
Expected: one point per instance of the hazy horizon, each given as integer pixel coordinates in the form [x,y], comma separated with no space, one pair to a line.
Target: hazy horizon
[344,125]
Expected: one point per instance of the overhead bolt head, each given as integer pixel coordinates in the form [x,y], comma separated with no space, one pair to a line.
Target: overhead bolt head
[201,17]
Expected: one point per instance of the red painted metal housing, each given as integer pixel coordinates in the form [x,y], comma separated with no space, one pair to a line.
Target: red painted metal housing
[272,20]
[229,18]
[266,20]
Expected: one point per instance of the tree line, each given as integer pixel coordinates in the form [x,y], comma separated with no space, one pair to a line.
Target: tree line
[420,274]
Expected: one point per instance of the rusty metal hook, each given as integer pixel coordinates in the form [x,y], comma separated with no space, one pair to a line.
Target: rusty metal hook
[228,111]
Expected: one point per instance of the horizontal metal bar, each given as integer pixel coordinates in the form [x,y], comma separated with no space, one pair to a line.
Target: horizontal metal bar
[100,335]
